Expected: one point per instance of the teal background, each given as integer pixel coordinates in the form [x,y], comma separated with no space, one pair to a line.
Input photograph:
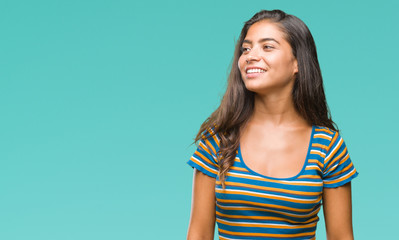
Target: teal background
[100,101]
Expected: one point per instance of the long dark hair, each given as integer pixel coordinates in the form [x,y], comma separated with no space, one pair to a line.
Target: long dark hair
[237,104]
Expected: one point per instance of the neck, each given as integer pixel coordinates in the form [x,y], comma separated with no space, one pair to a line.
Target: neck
[276,111]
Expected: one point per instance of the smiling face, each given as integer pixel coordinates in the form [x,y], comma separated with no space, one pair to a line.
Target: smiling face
[267,63]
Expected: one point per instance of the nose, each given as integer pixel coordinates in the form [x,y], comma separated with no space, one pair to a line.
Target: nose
[252,56]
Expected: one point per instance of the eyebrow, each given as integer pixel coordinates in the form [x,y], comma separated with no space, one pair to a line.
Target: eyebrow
[261,40]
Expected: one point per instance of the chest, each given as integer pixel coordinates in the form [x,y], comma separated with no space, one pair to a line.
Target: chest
[247,189]
[249,192]
[278,154]
[252,199]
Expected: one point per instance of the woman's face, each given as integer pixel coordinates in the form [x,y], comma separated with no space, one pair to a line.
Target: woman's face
[267,63]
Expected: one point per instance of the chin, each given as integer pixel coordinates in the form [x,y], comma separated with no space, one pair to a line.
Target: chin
[256,88]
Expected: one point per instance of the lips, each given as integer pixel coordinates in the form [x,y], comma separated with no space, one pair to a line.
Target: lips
[250,70]
[253,72]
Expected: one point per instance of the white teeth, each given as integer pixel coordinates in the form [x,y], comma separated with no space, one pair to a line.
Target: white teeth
[255,70]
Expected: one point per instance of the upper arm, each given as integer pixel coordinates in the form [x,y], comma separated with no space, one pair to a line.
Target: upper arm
[338,173]
[202,219]
[337,207]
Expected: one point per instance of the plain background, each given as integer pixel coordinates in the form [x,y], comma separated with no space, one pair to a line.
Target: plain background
[100,102]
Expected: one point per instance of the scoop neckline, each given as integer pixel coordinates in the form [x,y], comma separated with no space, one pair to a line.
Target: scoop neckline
[286,178]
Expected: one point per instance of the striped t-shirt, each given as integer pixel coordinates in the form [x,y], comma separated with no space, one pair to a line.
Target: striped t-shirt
[254,206]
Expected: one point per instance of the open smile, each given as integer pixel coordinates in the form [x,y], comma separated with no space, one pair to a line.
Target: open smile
[252,72]
[255,70]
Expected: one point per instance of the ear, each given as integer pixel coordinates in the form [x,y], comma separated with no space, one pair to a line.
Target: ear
[295,66]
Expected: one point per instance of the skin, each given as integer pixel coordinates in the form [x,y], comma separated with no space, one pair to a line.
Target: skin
[275,140]
[203,212]
[337,208]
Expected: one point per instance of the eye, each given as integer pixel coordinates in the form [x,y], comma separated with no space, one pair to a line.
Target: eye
[245,49]
[268,47]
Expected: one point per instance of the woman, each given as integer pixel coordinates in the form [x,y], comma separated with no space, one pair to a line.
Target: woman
[270,154]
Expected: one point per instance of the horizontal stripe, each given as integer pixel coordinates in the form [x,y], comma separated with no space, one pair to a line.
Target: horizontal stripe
[258,209]
[265,205]
[265,225]
[310,176]
[270,189]
[321,135]
[302,234]
[317,162]
[326,130]
[269,196]
[256,206]
[318,145]
[255,177]
[238,169]
[320,153]
[264,218]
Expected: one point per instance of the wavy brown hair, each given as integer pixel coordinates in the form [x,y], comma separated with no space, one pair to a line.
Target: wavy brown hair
[237,104]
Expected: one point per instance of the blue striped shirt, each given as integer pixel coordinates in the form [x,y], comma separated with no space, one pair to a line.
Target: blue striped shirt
[254,206]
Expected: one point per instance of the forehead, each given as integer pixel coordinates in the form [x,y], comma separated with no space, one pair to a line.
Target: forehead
[265,29]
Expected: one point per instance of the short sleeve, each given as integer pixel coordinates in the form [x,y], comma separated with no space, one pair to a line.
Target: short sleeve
[204,158]
[338,166]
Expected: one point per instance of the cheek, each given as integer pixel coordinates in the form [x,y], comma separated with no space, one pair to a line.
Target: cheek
[240,63]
